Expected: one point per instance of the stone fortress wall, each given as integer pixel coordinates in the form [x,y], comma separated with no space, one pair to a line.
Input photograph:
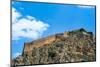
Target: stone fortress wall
[44,41]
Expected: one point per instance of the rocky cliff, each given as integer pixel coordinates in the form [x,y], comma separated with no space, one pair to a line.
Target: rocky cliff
[73,46]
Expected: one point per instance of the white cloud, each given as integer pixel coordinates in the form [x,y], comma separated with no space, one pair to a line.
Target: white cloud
[86,6]
[27,27]
[16,54]
[15,15]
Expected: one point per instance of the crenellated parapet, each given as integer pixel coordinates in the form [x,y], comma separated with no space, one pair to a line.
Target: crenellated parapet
[44,41]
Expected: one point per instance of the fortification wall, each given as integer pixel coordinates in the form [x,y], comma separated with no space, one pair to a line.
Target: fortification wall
[27,47]
[38,43]
[44,41]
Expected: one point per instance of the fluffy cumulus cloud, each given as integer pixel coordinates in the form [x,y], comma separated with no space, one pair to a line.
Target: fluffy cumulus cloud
[26,27]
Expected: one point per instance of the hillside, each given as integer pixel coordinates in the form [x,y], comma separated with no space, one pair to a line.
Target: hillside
[73,46]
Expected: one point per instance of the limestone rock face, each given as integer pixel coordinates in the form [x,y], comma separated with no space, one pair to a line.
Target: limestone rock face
[73,46]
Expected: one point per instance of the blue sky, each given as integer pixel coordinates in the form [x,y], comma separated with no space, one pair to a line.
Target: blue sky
[58,17]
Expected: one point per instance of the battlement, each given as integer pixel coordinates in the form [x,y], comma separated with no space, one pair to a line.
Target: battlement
[43,41]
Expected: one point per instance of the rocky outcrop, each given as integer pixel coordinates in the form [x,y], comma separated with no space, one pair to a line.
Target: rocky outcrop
[73,46]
